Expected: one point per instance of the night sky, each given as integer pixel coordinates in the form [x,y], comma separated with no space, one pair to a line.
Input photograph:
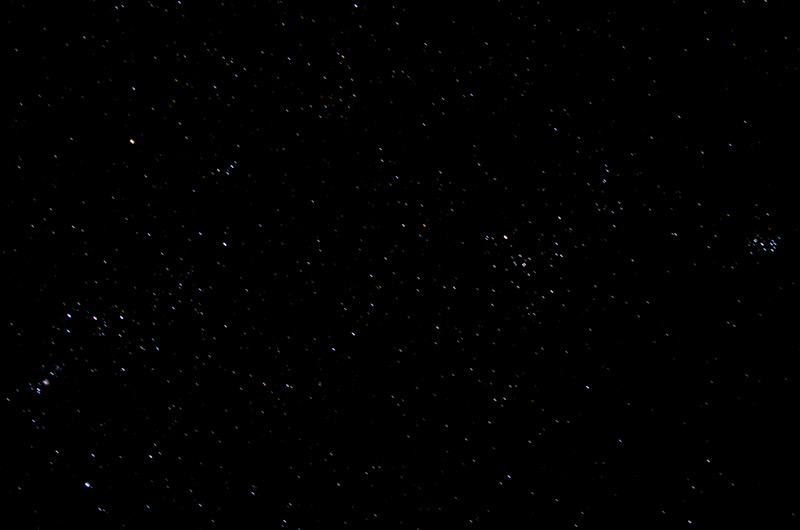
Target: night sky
[485,264]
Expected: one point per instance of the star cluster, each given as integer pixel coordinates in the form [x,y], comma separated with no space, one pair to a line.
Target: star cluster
[389,266]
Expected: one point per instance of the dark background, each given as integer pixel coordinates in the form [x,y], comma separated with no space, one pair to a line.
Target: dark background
[306,266]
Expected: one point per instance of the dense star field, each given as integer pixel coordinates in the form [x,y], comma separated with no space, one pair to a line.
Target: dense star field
[489,265]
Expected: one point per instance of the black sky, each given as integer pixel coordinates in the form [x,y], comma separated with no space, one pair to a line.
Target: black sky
[515,264]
